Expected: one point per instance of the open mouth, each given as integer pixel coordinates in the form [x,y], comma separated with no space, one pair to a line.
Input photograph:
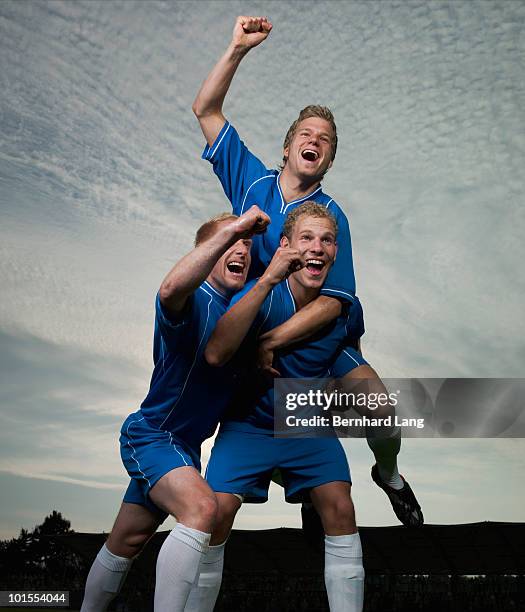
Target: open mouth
[315,266]
[310,155]
[236,268]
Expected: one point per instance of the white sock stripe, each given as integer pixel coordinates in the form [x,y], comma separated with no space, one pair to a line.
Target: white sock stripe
[113,562]
[214,554]
[344,546]
[344,573]
[198,540]
[205,591]
[178,567]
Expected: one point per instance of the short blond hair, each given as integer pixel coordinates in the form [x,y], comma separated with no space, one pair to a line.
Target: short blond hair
[313,110]
[309,209]
[206,230]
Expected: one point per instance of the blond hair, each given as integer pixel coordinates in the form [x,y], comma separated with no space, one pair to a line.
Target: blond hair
[309,209]
[206,230]
[313,110]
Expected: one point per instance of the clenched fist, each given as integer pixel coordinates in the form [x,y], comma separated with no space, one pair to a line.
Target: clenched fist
[253,221]
[249,32]
[284,262]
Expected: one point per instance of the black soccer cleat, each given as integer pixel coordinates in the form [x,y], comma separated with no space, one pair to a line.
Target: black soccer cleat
[404,502]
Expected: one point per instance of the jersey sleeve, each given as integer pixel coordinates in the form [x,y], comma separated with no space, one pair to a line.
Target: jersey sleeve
[174,329]
[356,321]
[237,168]
[350,357]
[340,282]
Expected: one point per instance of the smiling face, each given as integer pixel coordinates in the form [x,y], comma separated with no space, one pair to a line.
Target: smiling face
[315,239]
[229,274]
[310,152]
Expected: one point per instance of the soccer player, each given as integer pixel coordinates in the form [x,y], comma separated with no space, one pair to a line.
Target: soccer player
[245,451]
[308,153]
[160,443]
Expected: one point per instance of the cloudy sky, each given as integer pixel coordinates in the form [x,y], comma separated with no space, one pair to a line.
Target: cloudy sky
[102,187]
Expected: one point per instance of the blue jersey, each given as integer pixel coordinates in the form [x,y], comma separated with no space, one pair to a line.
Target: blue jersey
[187,396]
[252,408]
[246,181]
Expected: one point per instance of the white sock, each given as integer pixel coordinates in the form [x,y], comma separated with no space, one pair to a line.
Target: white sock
[343,573]
[206,589]
[104,581]
[385,443]
[178,566]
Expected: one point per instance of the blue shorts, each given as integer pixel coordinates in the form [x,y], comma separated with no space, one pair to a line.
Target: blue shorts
[348,360]
[148,454]
[243,463]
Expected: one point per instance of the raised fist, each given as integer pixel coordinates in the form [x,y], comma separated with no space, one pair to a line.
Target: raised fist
[249,32]
[253,221]
[284,262]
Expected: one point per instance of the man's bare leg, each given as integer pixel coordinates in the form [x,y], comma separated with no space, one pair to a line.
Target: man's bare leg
[184,494]
[385,443]
[344,573]
[205,592]
[133,527]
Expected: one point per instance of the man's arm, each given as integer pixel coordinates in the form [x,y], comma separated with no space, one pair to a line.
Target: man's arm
[305,323]
[247,33]
[190,272]
[235,324]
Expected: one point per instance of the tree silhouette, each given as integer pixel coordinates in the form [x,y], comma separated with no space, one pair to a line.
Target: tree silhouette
[54,524]
[36,552]
[44,551]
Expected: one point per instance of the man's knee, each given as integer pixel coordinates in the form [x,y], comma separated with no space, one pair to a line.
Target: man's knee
[228,505]
[226,514]
[128,543]
[338,515]
[364,381]
[185,495]
[202,510]
[131,531]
